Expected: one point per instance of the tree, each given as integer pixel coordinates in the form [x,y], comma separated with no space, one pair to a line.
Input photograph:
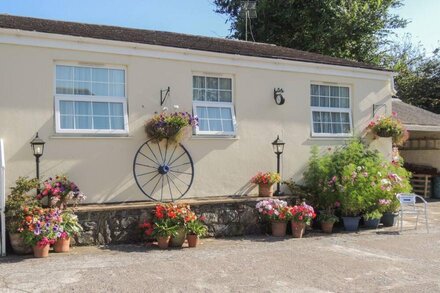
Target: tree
[352,29]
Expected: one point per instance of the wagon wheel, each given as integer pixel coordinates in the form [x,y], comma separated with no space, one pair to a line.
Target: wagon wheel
[163,170]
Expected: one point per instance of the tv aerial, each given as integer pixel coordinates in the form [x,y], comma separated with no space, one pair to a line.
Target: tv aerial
[248,10]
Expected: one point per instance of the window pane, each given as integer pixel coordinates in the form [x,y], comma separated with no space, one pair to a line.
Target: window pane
[227,125]
[117,90]
[66,107]
[101,123]
[334,102]
[345,117]
[198,95]
[83,108]
[337,128]
[100,89]
[324,90]
[324,102]
[226,113]
[315,101]
[316,117]
[83,122]
[117,122]
[64,72]
[317,127]
[344,92]
[66,122]
[203,125]
[225,96]
[325,116]
[212,96]
[117,75]
[213,113]
[202,112]
[100,74]
[346,128]
[326,128]
[336,117]
[82,74]
[83,88]
[334,91]
[199,82]
[345,103]
[100,109]
[212,82]
[314,89]
[116,109]
[64,87]
[215,125]
[225,83]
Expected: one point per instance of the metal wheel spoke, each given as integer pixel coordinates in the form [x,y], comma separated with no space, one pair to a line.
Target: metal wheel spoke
[149,158]
[177,158]
[176,186]
[172,154]
[169,187]
[157,160]
[180,172]
[179,179]
[161,191]
[144,165]
[187,163]
[166,150]
[160,151]
[155,171]
[156,185]
[150,180]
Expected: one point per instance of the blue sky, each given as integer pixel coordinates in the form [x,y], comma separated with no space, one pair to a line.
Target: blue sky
[194,16]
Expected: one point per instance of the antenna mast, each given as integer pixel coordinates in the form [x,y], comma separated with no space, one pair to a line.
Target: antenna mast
[248,10]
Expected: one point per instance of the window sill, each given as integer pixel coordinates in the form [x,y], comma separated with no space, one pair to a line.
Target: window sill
[214,137]
[91,136]
[324,138]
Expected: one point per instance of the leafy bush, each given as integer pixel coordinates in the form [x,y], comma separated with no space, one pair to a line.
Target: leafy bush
[354,177]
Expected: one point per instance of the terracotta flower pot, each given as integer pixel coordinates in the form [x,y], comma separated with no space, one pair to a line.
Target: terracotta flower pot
[298,229]
[18,244]
[179,239]
[62,245]
[41,251]
[327,227]
[163,241]
[192,240]
[265,190]
[279,229]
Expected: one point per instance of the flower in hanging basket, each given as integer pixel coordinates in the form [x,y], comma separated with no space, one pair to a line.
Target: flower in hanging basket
[389,126]
[169,125]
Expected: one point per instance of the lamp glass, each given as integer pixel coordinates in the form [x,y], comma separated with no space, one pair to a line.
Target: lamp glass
[278,146]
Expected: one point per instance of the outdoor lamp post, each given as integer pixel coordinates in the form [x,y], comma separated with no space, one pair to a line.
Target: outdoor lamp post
[38,149]
[278,148]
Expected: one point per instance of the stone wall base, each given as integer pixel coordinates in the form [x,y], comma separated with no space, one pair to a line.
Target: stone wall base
[119,223]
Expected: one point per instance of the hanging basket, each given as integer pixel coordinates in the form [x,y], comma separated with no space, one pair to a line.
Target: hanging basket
[384,133]
[172,126]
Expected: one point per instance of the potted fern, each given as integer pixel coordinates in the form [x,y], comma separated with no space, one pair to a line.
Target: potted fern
[194,230]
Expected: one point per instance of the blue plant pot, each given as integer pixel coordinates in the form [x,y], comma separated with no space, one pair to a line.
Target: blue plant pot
[389,219]
[351,223]
[372,223]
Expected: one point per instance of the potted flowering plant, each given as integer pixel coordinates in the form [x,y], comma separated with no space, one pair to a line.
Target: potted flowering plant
[170,125]
[265,182]
[194,230]
[389,126]
[300,216]
[67,227]
[389,208]
[372,219]
[163,229]
[60,191]
[18,206]
[274,211]
[39,230]
[327,221]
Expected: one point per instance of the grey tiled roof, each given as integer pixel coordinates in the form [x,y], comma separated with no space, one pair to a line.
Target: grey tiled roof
[169,39]
[412,115]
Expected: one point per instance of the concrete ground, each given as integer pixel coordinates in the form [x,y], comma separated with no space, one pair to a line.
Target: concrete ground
[368,261]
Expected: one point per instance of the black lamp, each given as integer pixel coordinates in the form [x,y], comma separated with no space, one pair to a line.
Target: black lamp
[38,149]
[278,148]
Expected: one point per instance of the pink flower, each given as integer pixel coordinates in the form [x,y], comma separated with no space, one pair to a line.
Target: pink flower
[337,204]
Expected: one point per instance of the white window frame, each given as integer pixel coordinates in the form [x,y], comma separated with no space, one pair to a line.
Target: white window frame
[331,109]
[89,98]
[229,105]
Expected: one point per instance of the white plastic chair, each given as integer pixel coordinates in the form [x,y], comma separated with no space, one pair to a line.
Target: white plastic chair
[408,207]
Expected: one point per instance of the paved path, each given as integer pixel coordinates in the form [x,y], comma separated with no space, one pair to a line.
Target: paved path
[369,261]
